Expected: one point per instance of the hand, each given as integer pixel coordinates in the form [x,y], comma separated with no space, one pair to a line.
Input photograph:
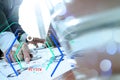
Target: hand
[35,40]
[23,54]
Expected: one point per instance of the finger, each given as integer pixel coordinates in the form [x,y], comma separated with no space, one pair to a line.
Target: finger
[26,52]
[13,52]
[8,56]
[12,56]
[5,59]
[20,55]
[37,40]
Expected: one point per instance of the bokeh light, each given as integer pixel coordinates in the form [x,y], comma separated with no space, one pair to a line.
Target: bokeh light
[105,65]
[111,48]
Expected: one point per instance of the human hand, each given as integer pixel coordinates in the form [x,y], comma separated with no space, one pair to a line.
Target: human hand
[23,53]
[34,40]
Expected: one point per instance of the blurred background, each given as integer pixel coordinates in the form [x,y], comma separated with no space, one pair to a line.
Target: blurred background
[87,30]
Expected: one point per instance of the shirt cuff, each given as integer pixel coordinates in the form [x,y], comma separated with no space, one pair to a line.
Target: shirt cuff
[23,37]
[6,40]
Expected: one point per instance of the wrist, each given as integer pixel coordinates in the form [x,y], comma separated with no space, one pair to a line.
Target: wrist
[23,37]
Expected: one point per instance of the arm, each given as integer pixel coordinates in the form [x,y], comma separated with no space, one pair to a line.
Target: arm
[13,17]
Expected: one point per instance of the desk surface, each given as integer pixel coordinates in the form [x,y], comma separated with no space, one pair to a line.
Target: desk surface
[42,62]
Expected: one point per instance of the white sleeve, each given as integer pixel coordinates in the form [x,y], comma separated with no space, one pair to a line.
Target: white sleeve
[6,39]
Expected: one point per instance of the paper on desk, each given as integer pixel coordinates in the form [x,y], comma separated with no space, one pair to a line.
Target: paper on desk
[40,63]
